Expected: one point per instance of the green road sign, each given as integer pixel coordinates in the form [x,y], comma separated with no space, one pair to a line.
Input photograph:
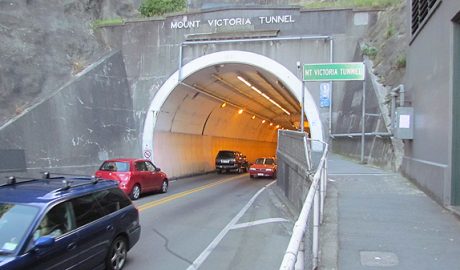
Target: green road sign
[334,72]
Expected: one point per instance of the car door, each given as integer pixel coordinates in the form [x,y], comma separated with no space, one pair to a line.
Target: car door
[63,253]
[143,176]
[94,228]
[155,176]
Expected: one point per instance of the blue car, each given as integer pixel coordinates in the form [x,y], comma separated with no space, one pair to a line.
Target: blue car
[65,223]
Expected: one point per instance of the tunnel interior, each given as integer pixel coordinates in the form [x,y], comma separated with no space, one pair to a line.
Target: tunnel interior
[222,106]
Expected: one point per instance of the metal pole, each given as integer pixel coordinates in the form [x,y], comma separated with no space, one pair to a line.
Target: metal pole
[331,59]
[300,76]
[179,73]
[363,130]
[303,102]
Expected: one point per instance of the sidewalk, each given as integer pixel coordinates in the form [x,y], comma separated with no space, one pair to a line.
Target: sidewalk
[376,219]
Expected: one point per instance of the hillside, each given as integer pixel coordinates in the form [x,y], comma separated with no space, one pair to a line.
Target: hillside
[44,43]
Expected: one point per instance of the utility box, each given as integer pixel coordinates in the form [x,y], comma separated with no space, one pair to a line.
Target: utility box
[404,123]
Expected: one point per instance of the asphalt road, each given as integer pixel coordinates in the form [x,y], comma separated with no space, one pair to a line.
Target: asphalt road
[212,222]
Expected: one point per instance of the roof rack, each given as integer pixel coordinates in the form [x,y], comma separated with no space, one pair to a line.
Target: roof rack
[46,175]
[68,184]
[12,180]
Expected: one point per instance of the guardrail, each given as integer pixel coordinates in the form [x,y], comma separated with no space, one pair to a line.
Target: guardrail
[294,255]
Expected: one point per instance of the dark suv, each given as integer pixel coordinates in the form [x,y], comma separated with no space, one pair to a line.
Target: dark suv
[65,223]
[228,160]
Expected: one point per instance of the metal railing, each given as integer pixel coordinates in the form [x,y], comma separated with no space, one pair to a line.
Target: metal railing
[294,255]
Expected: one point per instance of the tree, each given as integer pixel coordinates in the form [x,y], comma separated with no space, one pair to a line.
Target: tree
[151,8]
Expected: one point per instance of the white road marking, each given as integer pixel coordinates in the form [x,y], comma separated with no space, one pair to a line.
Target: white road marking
[208,250]
[258,222]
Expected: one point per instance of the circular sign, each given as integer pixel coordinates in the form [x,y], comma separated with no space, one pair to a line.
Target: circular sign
[147,154]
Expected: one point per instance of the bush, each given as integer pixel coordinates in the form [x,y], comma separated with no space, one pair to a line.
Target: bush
[151,8]
[369,51]
[401,61]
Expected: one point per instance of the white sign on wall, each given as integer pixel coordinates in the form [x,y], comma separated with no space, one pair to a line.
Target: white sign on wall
[184,23]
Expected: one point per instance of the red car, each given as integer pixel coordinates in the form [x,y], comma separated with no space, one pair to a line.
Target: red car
[135,176]
[263,167]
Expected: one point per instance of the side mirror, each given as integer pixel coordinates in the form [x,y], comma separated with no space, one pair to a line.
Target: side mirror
[43,242]
[157,169]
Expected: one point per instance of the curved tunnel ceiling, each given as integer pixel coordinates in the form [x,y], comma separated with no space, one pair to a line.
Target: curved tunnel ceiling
[195,105]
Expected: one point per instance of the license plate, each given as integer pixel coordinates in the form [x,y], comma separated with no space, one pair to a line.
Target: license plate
[260,174]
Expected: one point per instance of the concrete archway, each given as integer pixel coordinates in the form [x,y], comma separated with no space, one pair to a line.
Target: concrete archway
[236,57]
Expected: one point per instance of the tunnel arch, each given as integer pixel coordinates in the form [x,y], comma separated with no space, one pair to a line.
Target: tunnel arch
[235,57]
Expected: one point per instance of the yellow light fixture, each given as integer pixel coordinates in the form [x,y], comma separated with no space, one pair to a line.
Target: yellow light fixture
[253,117]
[271,124]
[243,80]
[263,94]
[223,104]
[277,126]
[240,111]
[263,121]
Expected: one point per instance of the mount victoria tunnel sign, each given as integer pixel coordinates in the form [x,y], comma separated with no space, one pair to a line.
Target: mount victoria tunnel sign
[234,21]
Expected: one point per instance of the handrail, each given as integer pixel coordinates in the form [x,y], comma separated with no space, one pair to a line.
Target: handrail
[315,198]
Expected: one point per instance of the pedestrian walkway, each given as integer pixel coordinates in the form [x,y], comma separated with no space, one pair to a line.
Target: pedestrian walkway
[377,219]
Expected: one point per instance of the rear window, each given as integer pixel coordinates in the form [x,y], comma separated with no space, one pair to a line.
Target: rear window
[115,166]
[226,154]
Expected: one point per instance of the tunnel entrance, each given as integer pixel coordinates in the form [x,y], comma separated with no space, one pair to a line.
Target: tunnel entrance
[221,100]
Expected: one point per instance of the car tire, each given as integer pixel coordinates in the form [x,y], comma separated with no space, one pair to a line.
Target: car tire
[251,176]
[116,258]
[164,186]
[136,192]
[219,171]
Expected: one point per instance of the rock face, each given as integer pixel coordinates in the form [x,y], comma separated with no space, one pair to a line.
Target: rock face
[390,38]
[44,43]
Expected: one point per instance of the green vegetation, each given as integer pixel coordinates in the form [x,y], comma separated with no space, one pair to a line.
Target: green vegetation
[391,30]
[107,22]
[151,8]
[401,61]
[369,51]
[353,4]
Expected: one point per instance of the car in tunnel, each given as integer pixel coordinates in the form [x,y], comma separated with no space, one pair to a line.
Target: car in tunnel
[263,167]
[229,160]
[135,176]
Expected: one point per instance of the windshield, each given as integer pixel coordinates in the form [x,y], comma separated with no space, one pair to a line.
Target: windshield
[226,154]
[15,219]
[260,161]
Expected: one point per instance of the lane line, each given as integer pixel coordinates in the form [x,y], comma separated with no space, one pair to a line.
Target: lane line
[258,222]
[183,194]
[210,248]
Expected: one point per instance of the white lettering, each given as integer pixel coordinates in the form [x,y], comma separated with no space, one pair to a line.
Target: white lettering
[276,19]
[185,24]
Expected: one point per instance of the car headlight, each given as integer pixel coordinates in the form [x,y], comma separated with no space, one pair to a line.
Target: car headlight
[269,170]
[252,169]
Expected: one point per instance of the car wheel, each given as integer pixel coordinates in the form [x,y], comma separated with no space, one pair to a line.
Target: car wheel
[118,252]
[219,171]
[251,176]
[164,187]
[136,192]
